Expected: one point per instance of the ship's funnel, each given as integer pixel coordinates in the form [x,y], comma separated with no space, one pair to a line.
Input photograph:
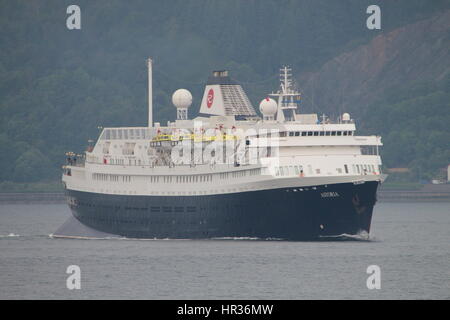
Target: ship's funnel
[225,97]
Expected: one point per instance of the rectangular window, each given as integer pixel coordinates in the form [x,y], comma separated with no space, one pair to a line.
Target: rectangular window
[339,133]
[297,133]
[128,148]
[106,147]
[328,133]
[291,170]
[310,133]
[304,134]
[316,133]
[345,168]
[333,133]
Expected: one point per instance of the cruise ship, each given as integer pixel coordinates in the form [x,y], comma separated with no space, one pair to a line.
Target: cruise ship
[229,172]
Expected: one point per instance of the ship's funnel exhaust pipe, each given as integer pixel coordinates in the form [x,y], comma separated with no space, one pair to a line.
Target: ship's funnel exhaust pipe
[150,93]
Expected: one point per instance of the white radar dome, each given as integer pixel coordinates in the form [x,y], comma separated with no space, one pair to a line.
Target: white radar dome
[182,98]
[268,106]
[346,117]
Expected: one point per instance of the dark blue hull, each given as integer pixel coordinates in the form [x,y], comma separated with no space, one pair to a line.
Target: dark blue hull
[286,213]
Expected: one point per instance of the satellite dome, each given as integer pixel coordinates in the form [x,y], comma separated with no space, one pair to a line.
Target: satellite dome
[346,117]
[268,107]
[182,98]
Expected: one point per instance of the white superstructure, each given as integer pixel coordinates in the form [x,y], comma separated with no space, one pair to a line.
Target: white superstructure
[209,154]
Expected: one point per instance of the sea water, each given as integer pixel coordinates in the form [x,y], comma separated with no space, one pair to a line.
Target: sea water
[409,242]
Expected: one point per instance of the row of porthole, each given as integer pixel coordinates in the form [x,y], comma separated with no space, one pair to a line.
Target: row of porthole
[301,189]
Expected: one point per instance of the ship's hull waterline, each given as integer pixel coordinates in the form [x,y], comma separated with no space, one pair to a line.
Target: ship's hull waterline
[306,213]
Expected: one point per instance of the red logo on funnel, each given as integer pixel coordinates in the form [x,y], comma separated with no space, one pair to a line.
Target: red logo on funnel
[210,98]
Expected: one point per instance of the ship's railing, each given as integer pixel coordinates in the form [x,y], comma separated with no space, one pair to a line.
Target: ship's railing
[195,137]
[135,133]
[75,160]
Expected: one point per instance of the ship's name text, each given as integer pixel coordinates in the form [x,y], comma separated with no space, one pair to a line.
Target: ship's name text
[329,194]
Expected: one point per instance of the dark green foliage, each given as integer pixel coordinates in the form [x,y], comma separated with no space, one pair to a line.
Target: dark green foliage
[414,123]
[58,86]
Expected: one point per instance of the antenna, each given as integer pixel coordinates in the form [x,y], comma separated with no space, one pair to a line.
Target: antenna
[285,77]
[150,93]
[288,96]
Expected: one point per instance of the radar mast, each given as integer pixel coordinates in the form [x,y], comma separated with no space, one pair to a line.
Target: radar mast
[288,96]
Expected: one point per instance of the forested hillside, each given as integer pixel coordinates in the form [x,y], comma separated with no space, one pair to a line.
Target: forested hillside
[57,86]
[397,85]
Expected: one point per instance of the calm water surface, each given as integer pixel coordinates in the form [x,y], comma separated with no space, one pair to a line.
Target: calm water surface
[409,241]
